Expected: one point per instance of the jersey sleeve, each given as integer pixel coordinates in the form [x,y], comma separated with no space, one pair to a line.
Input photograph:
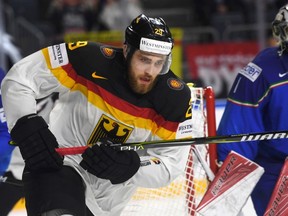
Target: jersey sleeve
[35,76]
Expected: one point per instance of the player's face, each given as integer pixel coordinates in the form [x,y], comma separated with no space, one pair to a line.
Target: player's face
[143,70]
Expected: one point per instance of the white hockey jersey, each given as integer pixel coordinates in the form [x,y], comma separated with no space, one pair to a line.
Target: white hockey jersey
[95,101]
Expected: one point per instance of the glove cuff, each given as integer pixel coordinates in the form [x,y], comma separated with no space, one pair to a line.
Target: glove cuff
[133,168]
[26,126]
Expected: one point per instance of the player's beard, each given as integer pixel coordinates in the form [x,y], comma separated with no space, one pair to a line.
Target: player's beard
[139,88]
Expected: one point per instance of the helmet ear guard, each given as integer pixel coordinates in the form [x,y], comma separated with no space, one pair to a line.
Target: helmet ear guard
[150,35]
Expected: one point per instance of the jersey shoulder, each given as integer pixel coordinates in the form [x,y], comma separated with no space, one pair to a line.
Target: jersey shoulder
[266,55]
[258,78]
[93,57]
[171,97]
[81,54]
[269,66]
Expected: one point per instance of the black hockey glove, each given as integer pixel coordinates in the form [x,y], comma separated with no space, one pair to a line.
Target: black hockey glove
[37,143]
[107,163]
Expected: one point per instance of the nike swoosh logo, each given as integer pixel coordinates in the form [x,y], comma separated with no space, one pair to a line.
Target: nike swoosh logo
[283,74]
[94,75]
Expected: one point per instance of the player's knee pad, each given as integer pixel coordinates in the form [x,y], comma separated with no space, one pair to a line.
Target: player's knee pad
[58,212]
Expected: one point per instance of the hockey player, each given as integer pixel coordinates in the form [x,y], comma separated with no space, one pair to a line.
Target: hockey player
[258,102]
[5,156]
[5,150]
[12,186]
[105,94]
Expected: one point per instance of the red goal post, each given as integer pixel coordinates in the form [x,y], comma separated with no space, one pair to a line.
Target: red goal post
[183,195]
[211,125]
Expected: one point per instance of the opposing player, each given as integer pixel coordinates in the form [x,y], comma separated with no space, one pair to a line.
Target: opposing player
[258,102]
[107,95]
[5,150]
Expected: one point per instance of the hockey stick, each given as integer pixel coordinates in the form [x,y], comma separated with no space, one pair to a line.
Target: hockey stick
[11,181]
[184,142]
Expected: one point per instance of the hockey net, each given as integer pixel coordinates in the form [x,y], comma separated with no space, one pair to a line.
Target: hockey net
[183,195]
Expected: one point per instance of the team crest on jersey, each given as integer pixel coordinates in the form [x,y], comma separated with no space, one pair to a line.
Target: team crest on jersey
[175,84]
[108,127]
[107,52]
[251,71]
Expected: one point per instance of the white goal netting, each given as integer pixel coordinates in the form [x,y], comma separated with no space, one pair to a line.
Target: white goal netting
[182,196]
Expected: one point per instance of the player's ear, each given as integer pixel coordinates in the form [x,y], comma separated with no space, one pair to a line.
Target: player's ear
[125,50]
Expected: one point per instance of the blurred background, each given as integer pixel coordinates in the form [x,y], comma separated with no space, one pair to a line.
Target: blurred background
[214,39]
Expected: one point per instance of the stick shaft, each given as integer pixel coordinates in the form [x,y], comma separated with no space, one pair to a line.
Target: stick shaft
[11,181]
[184,142]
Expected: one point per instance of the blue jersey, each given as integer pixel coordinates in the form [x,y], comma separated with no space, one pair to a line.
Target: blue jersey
[258,102]
[5,148]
